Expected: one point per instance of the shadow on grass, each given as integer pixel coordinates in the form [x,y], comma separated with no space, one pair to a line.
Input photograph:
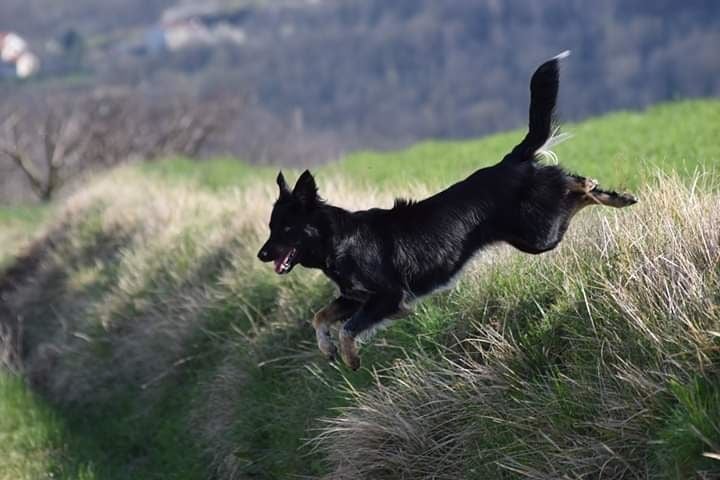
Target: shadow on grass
[105,442]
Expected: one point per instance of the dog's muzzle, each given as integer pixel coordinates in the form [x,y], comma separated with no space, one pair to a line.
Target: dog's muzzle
[264,255]
[284,258]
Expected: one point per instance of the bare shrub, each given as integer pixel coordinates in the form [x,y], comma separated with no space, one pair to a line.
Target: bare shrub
[42,148]
[127,125]
[54,139]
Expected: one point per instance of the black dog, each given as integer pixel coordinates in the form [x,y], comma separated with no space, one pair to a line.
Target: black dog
[382,260]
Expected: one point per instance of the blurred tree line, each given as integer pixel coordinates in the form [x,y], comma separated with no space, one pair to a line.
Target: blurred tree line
[319,78]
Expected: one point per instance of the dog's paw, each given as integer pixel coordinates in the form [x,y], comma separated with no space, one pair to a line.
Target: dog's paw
[349,350]
[352,361]
[625,199]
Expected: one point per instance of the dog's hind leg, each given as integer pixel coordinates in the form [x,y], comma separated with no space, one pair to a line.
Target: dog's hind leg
[594,195]
[374,311]
[339,309]
[580,192]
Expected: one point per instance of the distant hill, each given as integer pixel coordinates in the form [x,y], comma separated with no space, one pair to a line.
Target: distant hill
[325,76]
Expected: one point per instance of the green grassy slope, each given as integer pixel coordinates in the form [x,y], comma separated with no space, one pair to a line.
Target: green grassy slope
[158,347]
[619,149]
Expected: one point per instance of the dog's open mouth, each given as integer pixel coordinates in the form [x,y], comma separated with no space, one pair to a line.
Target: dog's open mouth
[285,263]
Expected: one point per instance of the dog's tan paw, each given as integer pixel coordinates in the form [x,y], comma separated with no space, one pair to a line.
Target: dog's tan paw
[349,350]
[352,361]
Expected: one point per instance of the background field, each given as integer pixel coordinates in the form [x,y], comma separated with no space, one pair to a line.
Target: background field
[143,340]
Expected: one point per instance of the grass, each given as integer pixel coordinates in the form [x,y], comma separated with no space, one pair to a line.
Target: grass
[619,149]
[34,437]
[108,441]
[602,362]
[158,347]
[214,174]
[691,428]
[17,225]
[27,428]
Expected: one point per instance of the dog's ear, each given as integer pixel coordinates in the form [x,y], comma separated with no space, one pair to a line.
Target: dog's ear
[305,190]
[284,189]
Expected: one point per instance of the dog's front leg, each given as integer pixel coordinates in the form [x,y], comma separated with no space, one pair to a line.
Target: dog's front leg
[374,311]
[339,309]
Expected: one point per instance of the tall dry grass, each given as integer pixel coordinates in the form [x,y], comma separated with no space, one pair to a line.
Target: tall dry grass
[608,370]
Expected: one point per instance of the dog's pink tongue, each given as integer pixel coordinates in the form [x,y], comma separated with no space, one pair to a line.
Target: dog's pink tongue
[280,262]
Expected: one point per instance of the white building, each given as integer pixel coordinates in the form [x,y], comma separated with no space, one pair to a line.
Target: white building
[14,50]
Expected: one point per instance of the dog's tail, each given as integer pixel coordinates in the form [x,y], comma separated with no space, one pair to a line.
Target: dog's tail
[543,97]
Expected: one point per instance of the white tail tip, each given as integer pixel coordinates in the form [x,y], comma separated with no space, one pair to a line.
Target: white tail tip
[561,55]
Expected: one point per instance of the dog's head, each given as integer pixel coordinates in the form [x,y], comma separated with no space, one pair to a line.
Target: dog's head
[291,229]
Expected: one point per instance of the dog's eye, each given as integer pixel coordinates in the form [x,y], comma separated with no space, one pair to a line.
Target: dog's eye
[287,229]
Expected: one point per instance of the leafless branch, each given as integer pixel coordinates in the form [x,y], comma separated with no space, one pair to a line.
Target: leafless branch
[56,139]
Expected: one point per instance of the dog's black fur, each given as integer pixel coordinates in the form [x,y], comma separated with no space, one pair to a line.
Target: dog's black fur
[383,259]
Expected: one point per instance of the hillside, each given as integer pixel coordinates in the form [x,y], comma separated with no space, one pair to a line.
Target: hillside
[142,338]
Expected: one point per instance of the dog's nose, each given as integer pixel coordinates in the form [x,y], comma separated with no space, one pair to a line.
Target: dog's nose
[263,255]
